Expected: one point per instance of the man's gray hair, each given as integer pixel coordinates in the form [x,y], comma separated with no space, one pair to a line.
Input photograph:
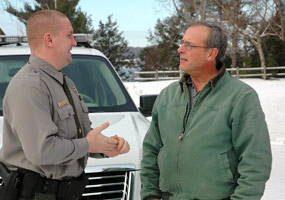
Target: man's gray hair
[217,37]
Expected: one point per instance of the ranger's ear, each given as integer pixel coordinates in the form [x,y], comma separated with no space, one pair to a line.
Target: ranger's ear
[48,39]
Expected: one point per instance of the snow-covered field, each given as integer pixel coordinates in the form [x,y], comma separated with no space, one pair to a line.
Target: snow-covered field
[272,97]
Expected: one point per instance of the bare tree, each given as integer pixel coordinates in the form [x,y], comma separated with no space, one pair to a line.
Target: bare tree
[281,17]
[232,10]
[190,9]
[203,9]
[254,22]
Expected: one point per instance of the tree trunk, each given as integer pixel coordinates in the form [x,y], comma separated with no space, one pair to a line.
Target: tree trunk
[280,12]
[261,56]
[244,51]
[234,48]
[235,35]
[203,9]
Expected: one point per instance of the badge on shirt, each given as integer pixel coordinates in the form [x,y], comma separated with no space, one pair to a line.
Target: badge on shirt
[80,97]
[62,103]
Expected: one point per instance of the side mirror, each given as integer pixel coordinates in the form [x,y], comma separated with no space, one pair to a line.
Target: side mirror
[146,104]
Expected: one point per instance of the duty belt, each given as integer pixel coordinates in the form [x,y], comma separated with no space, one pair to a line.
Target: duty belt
[63,189]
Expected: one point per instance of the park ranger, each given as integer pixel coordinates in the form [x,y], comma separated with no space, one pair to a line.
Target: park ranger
[47,134]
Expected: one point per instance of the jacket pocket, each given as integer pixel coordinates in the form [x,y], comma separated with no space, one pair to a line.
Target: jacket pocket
[226,169]
[164,170]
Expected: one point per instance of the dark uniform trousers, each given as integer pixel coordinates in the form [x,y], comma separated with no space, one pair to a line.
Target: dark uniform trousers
[41,196]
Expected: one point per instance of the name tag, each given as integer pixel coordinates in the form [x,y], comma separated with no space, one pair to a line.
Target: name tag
[62,103]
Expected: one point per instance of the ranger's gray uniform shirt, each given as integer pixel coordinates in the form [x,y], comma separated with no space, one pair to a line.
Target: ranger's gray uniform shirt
[39,130]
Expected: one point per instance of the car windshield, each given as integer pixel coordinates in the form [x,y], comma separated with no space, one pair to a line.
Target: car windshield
[94,77]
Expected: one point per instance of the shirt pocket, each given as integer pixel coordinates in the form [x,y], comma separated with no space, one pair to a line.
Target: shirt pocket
[66,124]
[86,123]
[83,106]
[65,112]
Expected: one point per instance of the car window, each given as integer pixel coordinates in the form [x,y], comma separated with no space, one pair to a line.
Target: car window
[9,66]
[94,77]
[98,84]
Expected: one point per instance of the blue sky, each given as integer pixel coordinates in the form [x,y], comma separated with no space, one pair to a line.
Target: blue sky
[134,17]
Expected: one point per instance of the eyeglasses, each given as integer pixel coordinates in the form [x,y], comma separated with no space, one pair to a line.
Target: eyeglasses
[188,46]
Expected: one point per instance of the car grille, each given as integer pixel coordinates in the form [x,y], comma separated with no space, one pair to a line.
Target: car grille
[109,185]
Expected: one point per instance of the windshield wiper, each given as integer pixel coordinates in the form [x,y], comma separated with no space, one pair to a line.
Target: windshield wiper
[95,109]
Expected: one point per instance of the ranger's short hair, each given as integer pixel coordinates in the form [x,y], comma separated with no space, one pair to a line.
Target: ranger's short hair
[42,22]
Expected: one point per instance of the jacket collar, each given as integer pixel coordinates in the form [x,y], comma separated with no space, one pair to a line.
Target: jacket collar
[213,81]
[47,68]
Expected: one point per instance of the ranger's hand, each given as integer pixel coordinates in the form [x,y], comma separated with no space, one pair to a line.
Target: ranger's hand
[123,147]
[98,143]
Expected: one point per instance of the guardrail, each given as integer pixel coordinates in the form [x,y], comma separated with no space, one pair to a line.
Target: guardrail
[263,72]
[236,72]
[156,74]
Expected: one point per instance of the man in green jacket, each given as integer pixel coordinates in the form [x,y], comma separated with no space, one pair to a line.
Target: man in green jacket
[208,137]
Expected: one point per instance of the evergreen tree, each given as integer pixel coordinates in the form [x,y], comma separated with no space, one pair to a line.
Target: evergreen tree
[110,41]
[79,20]
[150,57]
[165,42]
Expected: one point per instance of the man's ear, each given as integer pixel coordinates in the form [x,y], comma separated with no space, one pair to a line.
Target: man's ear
[48,39]
[213,52]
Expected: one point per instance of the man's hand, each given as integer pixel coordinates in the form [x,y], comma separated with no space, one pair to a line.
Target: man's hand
[123,147]
[98,143]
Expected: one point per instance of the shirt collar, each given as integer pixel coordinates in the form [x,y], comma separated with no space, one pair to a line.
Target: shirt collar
[219,75]
[186,78]
[47,68]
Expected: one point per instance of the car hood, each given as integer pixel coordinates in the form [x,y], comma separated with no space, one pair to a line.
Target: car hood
[130,125]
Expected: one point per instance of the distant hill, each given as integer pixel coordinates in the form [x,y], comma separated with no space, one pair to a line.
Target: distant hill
[136,51]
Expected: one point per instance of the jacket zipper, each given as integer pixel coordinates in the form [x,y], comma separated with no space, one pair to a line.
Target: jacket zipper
[181,136]
[184,123]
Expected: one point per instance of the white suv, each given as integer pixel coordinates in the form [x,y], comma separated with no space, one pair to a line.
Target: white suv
[107,100]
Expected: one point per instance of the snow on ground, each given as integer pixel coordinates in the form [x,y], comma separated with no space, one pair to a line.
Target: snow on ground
[272,98]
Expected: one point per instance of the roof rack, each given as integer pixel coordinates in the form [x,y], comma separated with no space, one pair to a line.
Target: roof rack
[83,39]
[80,38]
[8,39]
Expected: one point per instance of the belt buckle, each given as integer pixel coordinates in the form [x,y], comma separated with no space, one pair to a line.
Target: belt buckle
[45,186]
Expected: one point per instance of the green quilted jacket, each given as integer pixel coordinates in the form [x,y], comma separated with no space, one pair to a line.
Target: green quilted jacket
[220,148]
